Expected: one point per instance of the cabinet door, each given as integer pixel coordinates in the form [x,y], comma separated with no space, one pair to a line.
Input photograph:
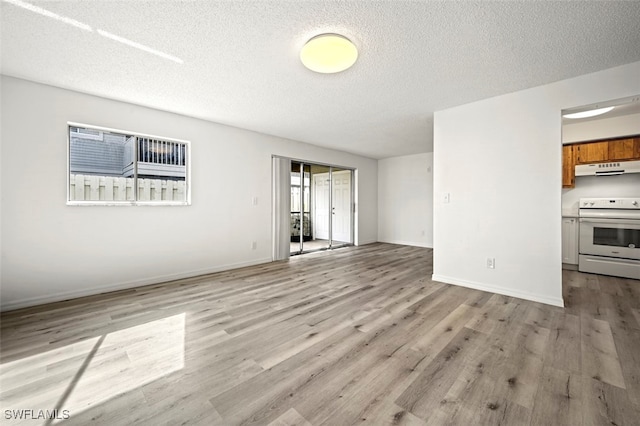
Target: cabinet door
[568,166]
[569,241]
[622,149]
[592,152]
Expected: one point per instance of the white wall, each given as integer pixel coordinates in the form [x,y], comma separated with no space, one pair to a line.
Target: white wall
[501,161]
[51,251]
[405,200]
[599,187]
[626,125]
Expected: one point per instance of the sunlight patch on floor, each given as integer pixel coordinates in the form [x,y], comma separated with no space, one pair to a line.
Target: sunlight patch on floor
[78,376]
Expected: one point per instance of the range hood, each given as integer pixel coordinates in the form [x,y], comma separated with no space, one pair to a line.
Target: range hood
[608,169]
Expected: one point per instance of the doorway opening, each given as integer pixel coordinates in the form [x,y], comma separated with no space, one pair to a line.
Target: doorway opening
[321,207]
[601,181]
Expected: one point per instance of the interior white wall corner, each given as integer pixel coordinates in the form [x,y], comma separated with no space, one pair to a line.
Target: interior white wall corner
[405,200]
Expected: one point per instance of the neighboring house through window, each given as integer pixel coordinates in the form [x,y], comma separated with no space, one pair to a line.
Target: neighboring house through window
[113,167]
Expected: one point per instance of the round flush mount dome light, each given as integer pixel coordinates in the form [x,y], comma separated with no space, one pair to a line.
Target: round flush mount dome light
[589,113]
[328,53]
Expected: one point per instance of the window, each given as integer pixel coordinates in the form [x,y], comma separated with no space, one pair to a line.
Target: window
[123,168]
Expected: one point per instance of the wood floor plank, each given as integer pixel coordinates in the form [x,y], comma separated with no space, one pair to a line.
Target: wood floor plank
[572,299]
[565,344]
[541,315]
[427,391]
[559,399]
[599,355]
[290,418]
[517,374]
[636,314]
[604,404]
[251,402]
[359,335]
[125,408]
[618,313]
[390,414]
[627,342]
[497,315]
[630,291]
[358,395]
[432,342]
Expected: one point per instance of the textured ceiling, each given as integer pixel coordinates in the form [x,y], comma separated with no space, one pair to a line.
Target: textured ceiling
[241,64]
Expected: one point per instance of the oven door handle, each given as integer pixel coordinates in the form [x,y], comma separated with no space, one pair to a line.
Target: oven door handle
[611,221]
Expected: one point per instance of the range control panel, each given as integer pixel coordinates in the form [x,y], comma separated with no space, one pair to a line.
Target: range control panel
[607,165]
[610,203]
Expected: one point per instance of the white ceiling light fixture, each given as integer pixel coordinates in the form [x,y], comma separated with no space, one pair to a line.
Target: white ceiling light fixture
[590,113]
[329,53]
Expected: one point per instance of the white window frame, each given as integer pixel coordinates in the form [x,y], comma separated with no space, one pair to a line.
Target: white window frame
[186,202]
[97,137]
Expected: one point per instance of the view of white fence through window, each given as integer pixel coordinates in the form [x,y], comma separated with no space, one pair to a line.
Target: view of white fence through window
[110,167]
[110,188]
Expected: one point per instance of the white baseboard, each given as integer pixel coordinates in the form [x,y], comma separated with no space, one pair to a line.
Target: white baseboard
[365,242]
[500,290]
[408,243]
[73,294]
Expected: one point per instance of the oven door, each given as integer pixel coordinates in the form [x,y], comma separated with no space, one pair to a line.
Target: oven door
[618,238]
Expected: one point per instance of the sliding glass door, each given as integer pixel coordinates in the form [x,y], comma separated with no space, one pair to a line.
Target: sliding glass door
[321,207]
[300,206]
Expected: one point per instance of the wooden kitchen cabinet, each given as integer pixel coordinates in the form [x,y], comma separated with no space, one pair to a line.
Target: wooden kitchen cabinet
[593,152]
[568,167]
[624,149]
[596,152]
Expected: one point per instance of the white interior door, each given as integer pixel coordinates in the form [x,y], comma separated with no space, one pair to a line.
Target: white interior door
[341,222]
[321,206]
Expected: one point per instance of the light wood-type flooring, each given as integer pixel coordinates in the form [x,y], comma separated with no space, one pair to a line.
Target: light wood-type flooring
[359,335]
[314,245]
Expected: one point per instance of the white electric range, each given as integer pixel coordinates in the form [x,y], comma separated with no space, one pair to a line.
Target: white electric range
[610,236]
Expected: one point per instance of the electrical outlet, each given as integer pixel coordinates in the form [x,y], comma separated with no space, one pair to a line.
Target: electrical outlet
[254,245]
[254,201]
[447,198]
[491,263]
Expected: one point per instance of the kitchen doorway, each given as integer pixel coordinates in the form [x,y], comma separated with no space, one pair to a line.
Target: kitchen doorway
[600,184]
